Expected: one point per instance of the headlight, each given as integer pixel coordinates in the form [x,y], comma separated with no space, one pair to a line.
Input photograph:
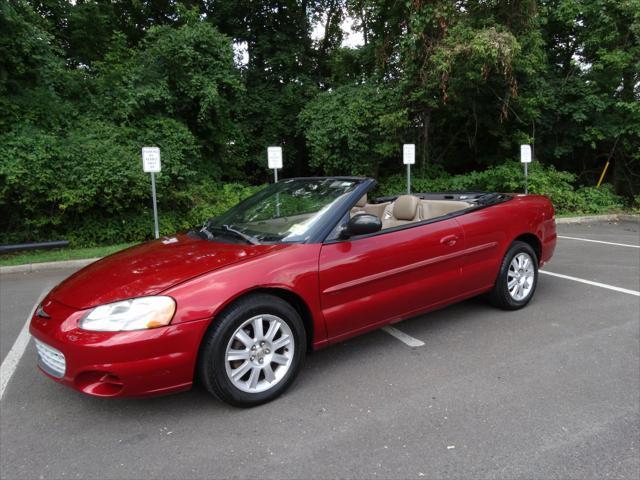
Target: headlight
[135,314]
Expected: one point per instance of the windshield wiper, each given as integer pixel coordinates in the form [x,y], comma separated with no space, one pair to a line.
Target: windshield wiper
[226,228]
[249,238]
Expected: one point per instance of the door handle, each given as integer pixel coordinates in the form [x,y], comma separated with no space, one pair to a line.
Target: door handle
[449,240]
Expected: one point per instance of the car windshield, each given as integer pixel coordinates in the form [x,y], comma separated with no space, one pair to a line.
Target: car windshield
[287,211]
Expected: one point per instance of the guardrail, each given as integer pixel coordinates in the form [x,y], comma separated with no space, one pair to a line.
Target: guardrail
[33,246]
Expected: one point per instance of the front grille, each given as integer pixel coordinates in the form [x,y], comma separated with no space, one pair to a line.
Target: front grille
[51,360]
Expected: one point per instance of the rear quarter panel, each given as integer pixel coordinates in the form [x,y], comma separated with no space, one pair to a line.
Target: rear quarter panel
[500,225]
[538,217]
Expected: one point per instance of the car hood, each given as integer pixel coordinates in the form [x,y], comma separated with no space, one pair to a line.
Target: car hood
[150,268]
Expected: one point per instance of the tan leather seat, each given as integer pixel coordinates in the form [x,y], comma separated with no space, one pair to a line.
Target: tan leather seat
[405,209]
[362,206]
[438,208]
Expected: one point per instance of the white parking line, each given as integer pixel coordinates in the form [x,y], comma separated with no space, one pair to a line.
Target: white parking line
[595,284]
[403,337]
[599,241]
[10,362]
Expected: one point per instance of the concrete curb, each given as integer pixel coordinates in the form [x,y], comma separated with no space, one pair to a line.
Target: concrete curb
[629,218]
[32,267]
[599,218]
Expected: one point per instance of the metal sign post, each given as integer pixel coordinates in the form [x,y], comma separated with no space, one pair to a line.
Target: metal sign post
[525,159]
[274,160]
[409,158]
[151,164]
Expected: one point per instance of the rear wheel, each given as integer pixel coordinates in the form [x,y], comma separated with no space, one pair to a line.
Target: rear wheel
[253,351]
[517,279]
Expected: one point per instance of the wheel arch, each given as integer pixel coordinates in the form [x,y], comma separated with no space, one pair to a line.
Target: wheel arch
[292,298]
[297,302]
[533,241]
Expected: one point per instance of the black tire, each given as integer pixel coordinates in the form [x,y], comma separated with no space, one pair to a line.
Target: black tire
[211,360]
[500,295]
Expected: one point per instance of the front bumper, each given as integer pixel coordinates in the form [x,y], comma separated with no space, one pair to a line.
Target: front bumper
[118,364]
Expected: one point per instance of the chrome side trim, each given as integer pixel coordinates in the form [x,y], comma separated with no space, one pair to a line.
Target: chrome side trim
[408,268]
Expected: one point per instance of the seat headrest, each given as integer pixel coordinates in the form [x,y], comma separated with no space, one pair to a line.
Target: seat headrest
[362,201]
[405,207]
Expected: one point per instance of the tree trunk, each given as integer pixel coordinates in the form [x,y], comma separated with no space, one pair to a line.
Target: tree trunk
[426,122]
[619,178]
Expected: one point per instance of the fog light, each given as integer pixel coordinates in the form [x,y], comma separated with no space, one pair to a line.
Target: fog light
[101,384]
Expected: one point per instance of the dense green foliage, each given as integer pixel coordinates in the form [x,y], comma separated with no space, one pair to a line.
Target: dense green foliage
[559,186]
[352,129]
[85,84]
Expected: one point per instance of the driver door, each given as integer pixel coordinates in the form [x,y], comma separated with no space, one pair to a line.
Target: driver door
[370,281]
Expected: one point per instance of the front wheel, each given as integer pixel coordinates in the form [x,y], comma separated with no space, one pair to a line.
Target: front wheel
[253,351]
[517,279]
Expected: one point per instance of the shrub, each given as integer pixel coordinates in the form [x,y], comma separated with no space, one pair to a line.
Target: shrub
[210,199]
[95,193]
[83,201]
[51,184]
[545,180]
[599,200]
[180,211]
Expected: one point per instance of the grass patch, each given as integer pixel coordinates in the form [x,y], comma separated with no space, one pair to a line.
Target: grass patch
[39,256]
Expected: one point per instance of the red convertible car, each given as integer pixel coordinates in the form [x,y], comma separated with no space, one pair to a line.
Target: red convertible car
[300,265]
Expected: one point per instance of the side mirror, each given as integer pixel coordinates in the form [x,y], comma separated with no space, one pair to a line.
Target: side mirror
[361,224]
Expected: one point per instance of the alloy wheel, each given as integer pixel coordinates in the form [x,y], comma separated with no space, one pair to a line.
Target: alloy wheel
[520,276]
[259,353]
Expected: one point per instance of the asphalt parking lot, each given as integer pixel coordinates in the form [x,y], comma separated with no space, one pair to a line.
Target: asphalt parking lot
[550,391]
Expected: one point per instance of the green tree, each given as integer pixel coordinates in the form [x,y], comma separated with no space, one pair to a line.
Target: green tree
[70,148]
[278,76]
[185,73]
[594,69]
[353,129]
[84,84]
[31,72]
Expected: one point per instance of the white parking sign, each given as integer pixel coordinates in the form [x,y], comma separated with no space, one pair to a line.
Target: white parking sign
[409,154]
[151,159]
[274,157]
[525,153]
